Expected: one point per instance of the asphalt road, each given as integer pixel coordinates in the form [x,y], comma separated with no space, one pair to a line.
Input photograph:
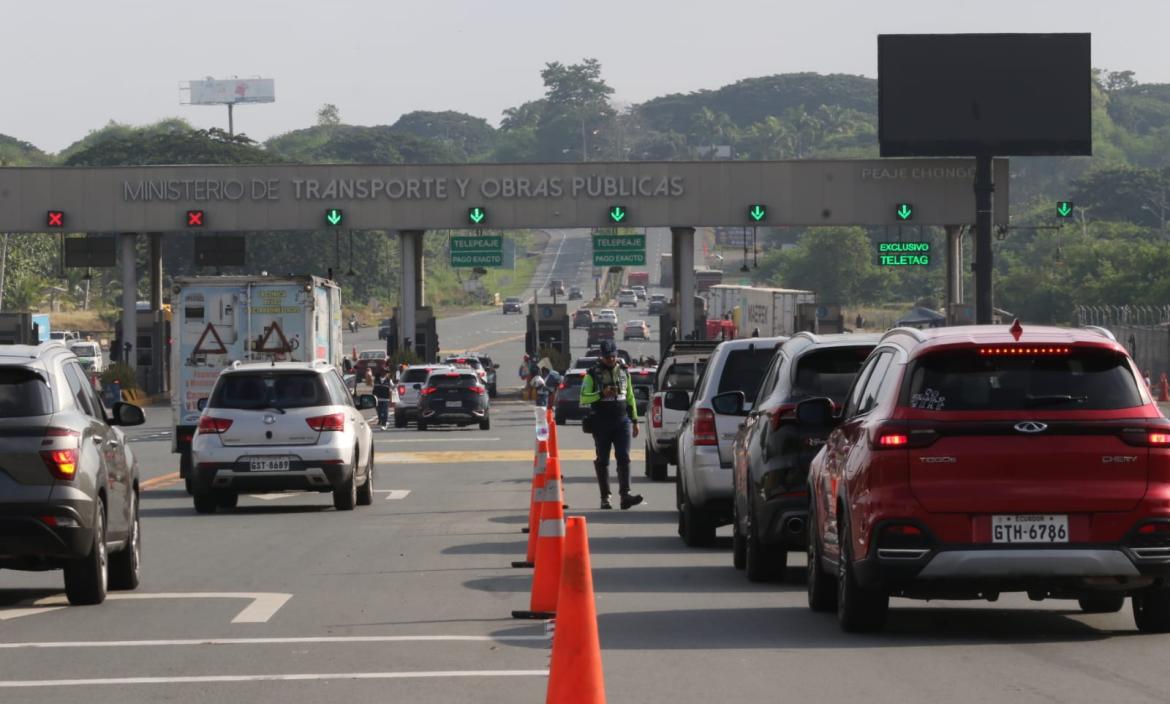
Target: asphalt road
[286,600]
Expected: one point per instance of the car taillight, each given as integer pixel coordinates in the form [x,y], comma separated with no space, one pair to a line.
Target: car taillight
[478,389]
[705,432]
[1023,350]
[782,414]
[656,412]
[1146,437]
[61,463]
[333,421]
[902,536]
[401,390]
[1158,439]
[902,438]
[207,424]
[427,391]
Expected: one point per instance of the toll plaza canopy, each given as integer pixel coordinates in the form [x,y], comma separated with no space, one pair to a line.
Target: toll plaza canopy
[494,196]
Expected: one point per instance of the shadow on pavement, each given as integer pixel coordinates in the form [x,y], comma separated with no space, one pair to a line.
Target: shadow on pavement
[174,493]
[25,597]
[173,511]
[689,579]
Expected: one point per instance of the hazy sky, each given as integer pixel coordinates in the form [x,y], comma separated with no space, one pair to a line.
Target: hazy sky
[73,65]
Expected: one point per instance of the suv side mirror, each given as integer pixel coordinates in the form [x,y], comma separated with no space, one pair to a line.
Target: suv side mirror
[201,404]
[815,412]
[127,414]
[729,403]
[677,400]
[366,402]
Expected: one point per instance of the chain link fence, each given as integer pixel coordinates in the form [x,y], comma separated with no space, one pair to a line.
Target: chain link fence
[1144,330]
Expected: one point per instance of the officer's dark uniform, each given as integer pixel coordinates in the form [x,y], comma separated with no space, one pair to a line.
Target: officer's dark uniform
[611,419]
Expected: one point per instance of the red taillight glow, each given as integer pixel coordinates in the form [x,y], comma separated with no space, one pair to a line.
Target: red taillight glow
[903,529]
[478,389]
[61,463]
[705,431]
[1152,528]
[1158,439]
[401,390]
[893,440]
[452,375]
[207,424]
[1017,351]
[427,391]
[333,421]
[780,415]
[656,412]
[561,385]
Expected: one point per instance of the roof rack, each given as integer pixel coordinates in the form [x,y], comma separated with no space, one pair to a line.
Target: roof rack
[906,330]
[686,346]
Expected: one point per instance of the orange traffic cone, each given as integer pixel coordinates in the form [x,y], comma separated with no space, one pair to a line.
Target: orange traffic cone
[539,467]
[549,546]
[1163,388]
[575,676]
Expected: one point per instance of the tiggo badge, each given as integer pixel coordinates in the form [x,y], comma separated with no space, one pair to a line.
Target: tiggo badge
[1031,426]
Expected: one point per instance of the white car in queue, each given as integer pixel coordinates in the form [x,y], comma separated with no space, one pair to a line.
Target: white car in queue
[410,385]
[276,426]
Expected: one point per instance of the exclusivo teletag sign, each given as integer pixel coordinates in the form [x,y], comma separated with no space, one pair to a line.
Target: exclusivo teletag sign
[904,253]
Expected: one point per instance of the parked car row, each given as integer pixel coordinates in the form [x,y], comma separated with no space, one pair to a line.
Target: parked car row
[960,462]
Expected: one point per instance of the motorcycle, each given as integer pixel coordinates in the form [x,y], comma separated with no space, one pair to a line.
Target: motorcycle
[353,325]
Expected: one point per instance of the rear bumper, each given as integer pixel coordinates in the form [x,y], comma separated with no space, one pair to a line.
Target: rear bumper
[453,417]
[305,475]
[709,484]
[24,534]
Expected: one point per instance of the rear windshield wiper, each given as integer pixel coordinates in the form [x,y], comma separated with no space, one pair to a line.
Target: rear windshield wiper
[1053,400]
[263,407]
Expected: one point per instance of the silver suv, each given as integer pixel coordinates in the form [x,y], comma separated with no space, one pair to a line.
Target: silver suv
[274,426]
[68,480]
[410,385]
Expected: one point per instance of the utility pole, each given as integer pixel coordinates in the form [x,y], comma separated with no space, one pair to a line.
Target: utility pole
[3,268]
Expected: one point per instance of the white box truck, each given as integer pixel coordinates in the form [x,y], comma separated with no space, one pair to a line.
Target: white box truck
[218,320]
[773,311]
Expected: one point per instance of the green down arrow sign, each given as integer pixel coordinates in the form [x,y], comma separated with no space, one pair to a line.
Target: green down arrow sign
[757,213]
[333,217]
[905,211]
[617,213]
[476,215]
[1064,208]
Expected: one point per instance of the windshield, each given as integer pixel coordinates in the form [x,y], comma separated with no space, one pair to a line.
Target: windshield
[23,393]
[375,354]
[744,370]
[966,380]
[415,376]
[259,390]
[683,375]
[828,372]
[452,381]
[89,350]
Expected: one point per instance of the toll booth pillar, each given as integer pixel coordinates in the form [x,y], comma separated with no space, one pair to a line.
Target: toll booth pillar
[129,336]
[954,269]
[156,272]
[410,250]
[420,275]
[683,240]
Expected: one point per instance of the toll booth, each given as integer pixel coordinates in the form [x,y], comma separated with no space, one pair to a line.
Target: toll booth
[19,329]
[667,319]
[820,318]
[152,349]
[554,328]
[425,342]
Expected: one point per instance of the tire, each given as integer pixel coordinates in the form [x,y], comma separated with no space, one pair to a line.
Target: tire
[1102,603]
[656,465]
[87,578]
[822,591]
[204,502]
[762,562]
[859,610]
[697,529]
[738,545]
[226,498]
[185,471]
[365,492]
[399,420]
[486,423]
[1151,610]
[345,494]
[125,569]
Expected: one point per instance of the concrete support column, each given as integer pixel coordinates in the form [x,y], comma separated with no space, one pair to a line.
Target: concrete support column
[684,255]
[156,272]
[420,273]
[954,268]
[410,296]
[128,240]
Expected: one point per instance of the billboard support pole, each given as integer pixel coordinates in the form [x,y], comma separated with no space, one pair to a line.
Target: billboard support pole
[984,193]
[231,121]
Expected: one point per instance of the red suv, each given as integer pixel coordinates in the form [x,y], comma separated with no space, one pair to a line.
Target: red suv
[972,461]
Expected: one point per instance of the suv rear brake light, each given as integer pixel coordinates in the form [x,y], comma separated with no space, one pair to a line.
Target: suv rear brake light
[656,412]
[705,432]
[1146,437]
[427,391]
[61,463]
[207,424]
[333,421]
[401,390]
[782,414]
[898,438]
[478,389]
[1016,351]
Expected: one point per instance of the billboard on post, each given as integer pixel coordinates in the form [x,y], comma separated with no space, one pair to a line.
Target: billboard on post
[971,94]
[243,90]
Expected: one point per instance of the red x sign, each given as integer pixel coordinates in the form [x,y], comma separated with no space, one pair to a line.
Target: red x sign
[56,218]
[194,218]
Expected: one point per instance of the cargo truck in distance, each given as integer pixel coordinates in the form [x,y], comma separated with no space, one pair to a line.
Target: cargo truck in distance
[772,311]
[219,320]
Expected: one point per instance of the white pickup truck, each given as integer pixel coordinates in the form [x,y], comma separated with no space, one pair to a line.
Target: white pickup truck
[679,371]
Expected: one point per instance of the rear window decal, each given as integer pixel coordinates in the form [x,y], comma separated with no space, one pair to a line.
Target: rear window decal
[929,399]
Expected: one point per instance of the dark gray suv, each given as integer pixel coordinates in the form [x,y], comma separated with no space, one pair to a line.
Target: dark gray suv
[68,480]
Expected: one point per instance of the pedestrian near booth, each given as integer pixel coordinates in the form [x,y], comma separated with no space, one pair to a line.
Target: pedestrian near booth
[613,418]
[382,392]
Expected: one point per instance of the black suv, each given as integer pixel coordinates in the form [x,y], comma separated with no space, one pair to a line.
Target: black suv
[456,397]
[772,452]
[68,480]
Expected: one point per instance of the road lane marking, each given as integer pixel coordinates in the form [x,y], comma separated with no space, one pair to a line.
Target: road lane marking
[272,641]
[273,497]
[9,614]
[442,440]
[156,482]
[394,494]
[211,679]
[463,457]
[263,607]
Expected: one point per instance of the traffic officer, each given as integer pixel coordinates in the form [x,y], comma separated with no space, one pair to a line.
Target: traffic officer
[608,392]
